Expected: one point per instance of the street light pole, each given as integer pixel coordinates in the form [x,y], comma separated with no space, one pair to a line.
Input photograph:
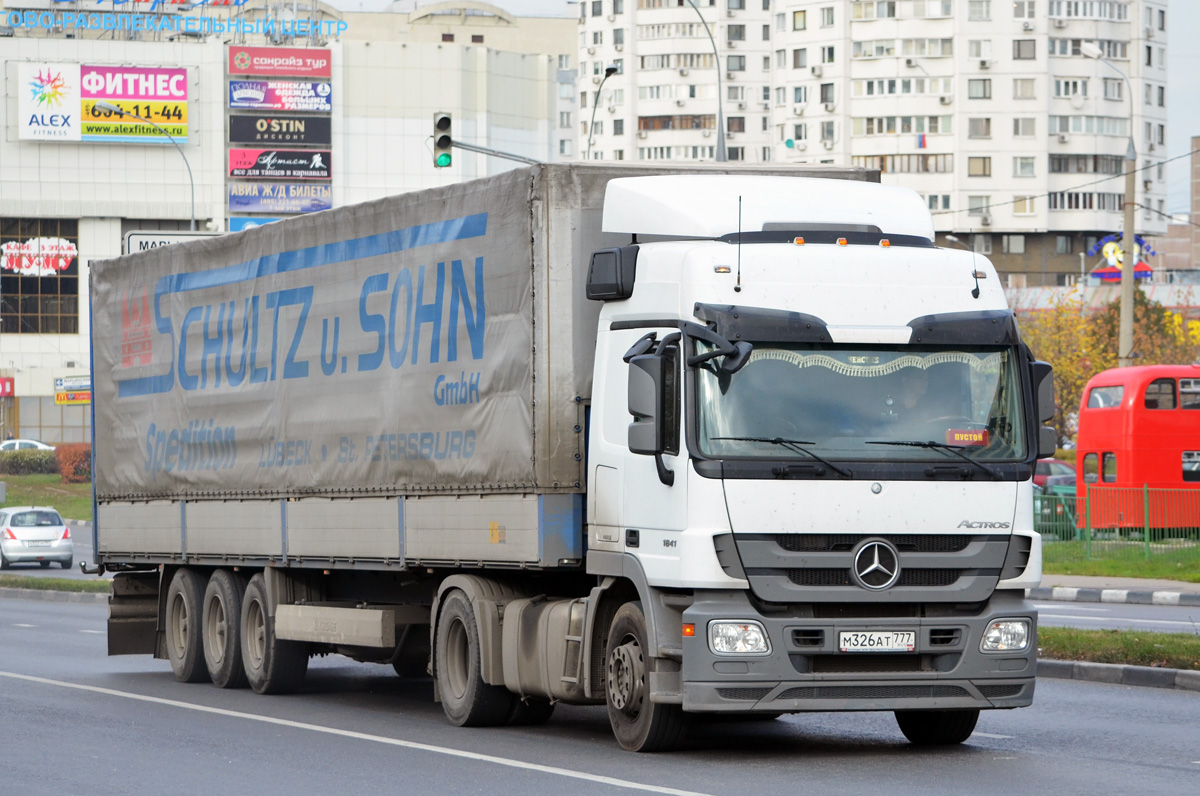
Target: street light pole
[721,157]
[1128,238]
[609,71]
[108,106]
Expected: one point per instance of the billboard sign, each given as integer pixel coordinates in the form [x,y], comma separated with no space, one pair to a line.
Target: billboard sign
[281,95]
[57,102]
[280,164]
[144,240]
[238,223]
[253,197]
[279,62]
[37,256]
[272,130]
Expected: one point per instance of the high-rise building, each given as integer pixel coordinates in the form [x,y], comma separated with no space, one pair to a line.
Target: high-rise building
[991,109]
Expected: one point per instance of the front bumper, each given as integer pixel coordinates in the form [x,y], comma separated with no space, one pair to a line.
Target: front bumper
[804,670]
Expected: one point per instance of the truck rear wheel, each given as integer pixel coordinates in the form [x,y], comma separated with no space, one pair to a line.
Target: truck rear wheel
[185,644]
[638,724]
[223,631]
[272,666]
[466,699]
[937,727]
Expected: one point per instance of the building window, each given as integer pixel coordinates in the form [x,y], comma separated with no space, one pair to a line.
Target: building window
[564,146]
[736,153]
[618,127]
[735,124]
[736,63]
[476,38]
[827,17]
[766,32]
[979,10]
[1023,9]
[1149,55]
[800,94]
[1023,166]
[618,6]
[564,119]
[799,58]
[1114,88]
[981,244]
[1012,244]
[1162,96]
[1063,244]
[1024,127]
[827,55]
[1024,49]
[873,9]
[826,131]
[979,128]
[447,37]
[800,132]
[737,5]
[979,48]
[564,62]
[1023,88]
[933,8]
[39,276]
[618,35]
[827,92]
[978,205]
[979,88]
[618,154]
[1023,205]
[1070,87]
[979,167]
[799,20]
[735,32]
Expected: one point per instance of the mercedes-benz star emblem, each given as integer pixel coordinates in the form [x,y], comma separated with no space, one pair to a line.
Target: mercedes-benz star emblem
[876,565]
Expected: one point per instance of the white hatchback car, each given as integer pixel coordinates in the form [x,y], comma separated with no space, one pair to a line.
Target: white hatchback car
[24,445]
[34,533]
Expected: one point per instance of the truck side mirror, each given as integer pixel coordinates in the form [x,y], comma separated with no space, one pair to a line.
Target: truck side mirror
[653,402]
[1043,384]
[647,373]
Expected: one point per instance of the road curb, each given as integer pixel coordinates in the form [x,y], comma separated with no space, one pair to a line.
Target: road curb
[52,596]
[1072,594]
[1119,674]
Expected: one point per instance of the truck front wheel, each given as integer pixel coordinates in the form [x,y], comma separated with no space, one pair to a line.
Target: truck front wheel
[937,727]
[466,699]
[272,666]
[185,645]
[223,631]
[638,724]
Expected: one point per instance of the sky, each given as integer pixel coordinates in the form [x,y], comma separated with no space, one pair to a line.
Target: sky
[1183,75]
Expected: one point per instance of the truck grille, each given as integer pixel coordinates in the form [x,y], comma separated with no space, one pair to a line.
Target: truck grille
[816,568]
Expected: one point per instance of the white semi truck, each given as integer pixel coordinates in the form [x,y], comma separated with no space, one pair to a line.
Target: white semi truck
[675,443]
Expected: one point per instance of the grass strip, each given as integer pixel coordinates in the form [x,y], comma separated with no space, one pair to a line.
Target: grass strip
[54,584]
[73,501]
[1159,569]
[1127,647]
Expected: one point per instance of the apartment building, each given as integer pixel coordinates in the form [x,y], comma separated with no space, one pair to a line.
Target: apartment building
[990,109]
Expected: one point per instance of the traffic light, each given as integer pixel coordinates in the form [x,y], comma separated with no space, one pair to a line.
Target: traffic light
[442,140]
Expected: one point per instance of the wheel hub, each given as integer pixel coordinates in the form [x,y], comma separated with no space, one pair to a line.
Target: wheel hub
[626,678]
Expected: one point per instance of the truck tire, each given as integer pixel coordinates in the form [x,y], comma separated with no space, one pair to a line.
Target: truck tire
[638,724]
[466,699]
[222,630]
[937,727]
[185,644]
[272,666]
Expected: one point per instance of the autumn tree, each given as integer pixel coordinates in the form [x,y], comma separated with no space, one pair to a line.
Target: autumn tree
[1059,335]
[1160,336]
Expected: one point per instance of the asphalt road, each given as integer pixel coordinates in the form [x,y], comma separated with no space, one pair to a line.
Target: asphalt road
[1119,616]
[76,722]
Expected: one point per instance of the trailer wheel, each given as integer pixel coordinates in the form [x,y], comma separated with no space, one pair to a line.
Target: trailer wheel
[937,727]
[466,699]
[185,645]
[272,666]
[638,724]
[222,630]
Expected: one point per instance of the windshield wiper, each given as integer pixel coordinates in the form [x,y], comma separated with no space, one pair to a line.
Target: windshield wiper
[795,445]
[940,446]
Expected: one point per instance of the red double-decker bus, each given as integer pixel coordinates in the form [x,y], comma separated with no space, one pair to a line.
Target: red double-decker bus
[1139,447]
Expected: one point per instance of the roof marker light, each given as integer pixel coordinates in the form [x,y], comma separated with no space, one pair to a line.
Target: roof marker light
[841,241]
[722,269]
[798,241]
[884,242]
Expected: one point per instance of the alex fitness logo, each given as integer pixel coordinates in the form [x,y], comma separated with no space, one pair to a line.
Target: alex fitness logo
[49,89]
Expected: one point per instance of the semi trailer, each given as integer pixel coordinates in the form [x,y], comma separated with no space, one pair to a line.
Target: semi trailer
[675,442]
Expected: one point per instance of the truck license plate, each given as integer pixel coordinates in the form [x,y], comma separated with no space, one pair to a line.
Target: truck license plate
[877,641]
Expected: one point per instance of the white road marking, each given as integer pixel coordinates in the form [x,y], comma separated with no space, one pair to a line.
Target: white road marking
[990,735]
[443,750]
[1060,607]
[1125,619]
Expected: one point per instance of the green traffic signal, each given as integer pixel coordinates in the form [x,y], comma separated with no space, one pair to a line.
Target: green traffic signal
[443,160]
[443,140]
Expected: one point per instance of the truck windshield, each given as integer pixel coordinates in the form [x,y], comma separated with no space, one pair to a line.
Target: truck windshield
[876,403]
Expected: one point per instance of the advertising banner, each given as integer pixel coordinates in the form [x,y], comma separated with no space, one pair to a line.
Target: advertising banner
[279,61]
[252,197]
[281,95]
[57,102]
[7,386]
[238,223]
[280,164]
[37,256]
[270,130]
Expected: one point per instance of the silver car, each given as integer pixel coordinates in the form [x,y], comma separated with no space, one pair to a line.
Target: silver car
[34,533]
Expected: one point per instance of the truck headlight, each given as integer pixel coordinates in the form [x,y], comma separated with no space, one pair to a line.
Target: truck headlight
[1006,635]
[738,638]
